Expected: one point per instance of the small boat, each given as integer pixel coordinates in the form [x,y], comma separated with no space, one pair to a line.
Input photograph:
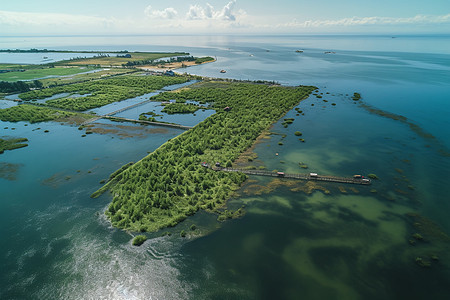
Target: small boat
[299,51]
[223,71]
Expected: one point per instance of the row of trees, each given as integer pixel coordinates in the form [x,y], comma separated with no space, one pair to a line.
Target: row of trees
[19,86]
[155,62]
[34,114]
[170,184]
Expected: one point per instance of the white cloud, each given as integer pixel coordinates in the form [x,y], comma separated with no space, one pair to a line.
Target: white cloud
[168,13]
[202,19]
[227,11]
[209,11]
[197,12]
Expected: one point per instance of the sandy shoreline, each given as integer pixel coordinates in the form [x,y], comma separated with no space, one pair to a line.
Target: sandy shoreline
[172,66]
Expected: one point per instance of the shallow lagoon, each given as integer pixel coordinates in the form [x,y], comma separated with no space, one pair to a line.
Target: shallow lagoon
[351,243]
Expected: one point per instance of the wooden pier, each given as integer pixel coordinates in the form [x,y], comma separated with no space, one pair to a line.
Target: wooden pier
[357,179]
[177,126]
[111,117]
[127,108]
[115,112]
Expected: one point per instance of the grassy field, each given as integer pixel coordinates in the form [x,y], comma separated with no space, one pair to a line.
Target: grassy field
[114,61]
[40,73]
[77,78]
[10,66]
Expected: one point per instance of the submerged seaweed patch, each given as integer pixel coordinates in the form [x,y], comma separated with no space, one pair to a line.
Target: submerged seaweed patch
[442,149]
[9,171]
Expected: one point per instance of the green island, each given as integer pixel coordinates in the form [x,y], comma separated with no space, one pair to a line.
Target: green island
[170,184]
[180,108]
[356,96]
[11,144]
[139,240]
[34,114]
[201,60]
[149,116]
[123,59]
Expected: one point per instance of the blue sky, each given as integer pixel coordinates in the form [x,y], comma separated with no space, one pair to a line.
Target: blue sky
[49,17]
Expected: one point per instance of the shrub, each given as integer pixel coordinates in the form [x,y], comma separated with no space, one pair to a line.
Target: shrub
[139,240]
[356,96]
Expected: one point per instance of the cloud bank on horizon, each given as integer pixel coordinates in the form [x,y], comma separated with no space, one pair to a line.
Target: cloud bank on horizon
[225,17]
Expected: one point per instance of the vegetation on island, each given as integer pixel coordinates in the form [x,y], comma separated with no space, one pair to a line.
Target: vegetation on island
[356,96]
[18,86]
[170,184]
[11,144]
[372,176]
[201,60]
[149,116]
[287,122]
[101,92]
[34,114]
[139,240]
[180,108]
[121,60]
[172,60]
[119,171]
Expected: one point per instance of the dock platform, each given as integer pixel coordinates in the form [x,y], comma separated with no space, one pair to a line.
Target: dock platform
[357,179]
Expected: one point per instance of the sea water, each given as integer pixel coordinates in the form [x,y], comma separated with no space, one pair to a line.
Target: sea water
[297,240]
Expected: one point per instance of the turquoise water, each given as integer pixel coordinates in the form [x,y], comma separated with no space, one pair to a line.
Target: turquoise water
[296,240]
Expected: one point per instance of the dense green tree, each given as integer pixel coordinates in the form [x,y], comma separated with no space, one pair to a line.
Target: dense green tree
[177,185]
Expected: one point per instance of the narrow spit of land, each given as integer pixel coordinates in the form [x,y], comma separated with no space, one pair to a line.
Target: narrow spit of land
[168,185]
[11,144]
